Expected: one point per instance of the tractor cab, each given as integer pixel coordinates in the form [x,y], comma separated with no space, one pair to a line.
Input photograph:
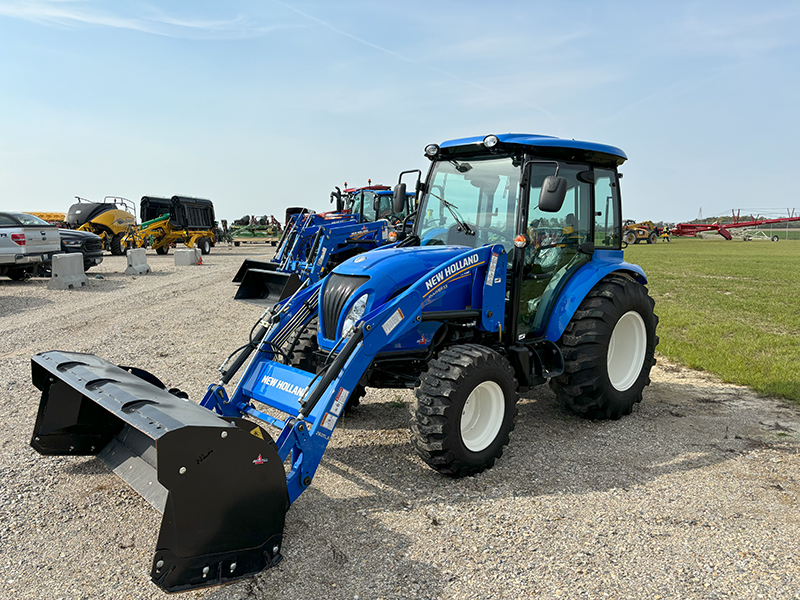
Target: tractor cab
[553,209]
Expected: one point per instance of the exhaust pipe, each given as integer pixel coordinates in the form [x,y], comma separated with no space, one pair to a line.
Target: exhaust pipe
[218,482]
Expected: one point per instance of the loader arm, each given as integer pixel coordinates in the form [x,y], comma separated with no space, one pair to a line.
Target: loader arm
[314,402]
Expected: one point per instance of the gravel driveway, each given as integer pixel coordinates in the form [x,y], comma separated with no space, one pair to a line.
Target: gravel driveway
[695,495]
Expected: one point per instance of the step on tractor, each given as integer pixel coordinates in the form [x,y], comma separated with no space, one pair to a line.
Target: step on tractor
[314,243]
[111,219]
[168,221]
[512,276]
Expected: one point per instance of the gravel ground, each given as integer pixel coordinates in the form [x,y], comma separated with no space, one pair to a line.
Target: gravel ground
[695,495]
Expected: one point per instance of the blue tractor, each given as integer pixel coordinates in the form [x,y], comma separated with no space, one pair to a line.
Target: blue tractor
[512,276]
[314,243]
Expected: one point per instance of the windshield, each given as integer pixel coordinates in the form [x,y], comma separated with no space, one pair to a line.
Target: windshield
[470,203]
[26,219]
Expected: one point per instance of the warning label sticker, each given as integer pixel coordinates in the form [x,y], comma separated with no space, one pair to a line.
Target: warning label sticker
[329,422]
[393,321]
[341,399]
[492,268]
[257,432]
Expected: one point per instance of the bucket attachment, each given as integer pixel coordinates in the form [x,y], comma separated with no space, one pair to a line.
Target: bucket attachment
[267,287]
[249,263]
[218,481]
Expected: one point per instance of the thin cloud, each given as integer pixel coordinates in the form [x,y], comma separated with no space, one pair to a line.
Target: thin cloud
[493,92]
[70,14]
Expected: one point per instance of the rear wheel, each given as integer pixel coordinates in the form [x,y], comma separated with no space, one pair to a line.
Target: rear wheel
[465,409]
[609,347]
[162,250]
[629,237]
[204,244]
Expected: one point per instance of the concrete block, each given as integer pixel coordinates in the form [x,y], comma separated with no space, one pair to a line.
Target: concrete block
[67,272]
[137,262]
[187,256]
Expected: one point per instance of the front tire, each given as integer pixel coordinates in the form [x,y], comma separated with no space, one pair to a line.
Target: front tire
[609,349]
[629,237]
[302,353]
[162,250]
[465,409]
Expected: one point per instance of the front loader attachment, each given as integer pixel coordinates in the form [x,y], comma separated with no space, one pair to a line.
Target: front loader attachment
[249,263]
[219,482]
[266,287]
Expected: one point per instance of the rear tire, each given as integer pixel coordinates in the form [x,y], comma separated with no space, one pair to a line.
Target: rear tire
[608,347]
[465,409]
[204,244]
[629,237]
[162,250]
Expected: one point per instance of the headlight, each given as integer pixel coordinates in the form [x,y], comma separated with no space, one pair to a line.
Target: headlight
[490,141]
[354,314]
[72,243]
[431,149]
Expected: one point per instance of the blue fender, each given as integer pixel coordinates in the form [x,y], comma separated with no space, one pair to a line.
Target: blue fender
[585,278]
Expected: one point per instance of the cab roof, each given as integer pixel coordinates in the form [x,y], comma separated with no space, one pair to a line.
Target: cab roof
[545,145]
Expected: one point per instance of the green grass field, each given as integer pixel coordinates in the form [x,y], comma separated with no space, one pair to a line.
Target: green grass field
[728,307]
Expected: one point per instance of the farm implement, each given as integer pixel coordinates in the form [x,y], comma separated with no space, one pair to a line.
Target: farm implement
[724,229]
[512,276]
[313,244]
[111,219]
[167,221]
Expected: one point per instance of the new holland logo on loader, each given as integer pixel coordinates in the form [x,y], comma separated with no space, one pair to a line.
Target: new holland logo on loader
[516,314]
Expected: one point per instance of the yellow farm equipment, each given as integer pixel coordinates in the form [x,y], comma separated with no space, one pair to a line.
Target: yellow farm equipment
[111,219]
[168,221]
[633,232]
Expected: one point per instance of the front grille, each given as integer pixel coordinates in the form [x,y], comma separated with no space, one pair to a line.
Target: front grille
[338,289]
[94,246]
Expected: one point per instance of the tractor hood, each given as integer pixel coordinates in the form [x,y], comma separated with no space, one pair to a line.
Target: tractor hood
[381,275]
[399,267]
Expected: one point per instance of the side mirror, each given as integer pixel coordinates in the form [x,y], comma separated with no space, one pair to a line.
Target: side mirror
[399,197]
[554,190]
[337,196]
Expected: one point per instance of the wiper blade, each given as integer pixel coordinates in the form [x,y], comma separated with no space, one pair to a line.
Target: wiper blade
[467,229]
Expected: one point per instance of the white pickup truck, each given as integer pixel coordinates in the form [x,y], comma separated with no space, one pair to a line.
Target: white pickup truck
[25,241]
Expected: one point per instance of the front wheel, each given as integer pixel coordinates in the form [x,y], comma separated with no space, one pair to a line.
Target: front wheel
[609,349]
[774,238]
[464,411]
[629,237]
[162,250]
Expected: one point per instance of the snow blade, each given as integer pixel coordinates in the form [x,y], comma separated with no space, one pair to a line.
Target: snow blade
[267,287]
[218,481]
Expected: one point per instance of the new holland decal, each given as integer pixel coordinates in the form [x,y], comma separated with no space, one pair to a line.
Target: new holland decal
[284,386]
[451,272]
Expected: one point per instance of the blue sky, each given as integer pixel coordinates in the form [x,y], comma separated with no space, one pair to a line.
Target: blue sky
[259,105]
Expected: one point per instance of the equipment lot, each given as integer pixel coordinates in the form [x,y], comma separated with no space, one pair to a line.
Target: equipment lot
[695,495]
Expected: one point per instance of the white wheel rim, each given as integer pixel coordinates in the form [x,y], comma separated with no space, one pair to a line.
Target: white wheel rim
[626,351]
[482,416]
